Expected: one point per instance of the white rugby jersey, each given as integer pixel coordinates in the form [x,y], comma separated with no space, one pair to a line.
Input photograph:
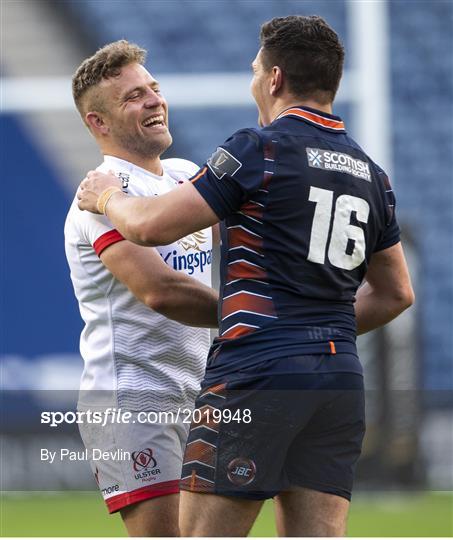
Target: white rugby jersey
[142,360]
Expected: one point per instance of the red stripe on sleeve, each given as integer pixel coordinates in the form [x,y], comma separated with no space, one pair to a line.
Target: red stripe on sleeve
[106,240]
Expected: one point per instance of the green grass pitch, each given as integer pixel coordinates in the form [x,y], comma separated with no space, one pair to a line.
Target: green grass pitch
[84,514]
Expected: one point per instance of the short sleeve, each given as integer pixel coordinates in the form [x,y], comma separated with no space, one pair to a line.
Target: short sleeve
[391,232]
[232,173]
[97,231]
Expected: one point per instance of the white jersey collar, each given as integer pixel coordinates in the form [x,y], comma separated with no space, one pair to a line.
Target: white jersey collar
[131,168]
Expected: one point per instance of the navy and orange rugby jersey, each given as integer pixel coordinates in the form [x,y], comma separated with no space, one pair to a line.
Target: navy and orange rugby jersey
[303,208]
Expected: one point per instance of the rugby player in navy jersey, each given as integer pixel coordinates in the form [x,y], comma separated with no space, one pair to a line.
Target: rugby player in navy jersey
[307,217]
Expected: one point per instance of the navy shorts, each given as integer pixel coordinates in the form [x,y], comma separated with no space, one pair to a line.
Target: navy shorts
[261,434]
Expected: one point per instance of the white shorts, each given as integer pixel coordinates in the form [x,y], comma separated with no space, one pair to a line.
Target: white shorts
[132,462]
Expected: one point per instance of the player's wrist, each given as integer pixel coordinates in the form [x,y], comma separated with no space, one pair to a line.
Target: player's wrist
[105,197]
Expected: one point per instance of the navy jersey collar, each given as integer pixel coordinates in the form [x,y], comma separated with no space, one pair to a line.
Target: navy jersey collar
[315,117]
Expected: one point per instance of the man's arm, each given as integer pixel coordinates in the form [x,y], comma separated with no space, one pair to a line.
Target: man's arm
[148,221]
[216,235]
[387,291]
[170,293]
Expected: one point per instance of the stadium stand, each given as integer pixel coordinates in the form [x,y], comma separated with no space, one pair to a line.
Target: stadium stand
[423,163]
[231,29]
[35,290]
[210,36]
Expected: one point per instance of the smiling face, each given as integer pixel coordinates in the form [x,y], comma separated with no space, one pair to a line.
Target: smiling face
[134,114]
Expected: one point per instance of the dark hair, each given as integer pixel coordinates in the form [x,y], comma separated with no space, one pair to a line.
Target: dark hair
[309,53]
[105,63]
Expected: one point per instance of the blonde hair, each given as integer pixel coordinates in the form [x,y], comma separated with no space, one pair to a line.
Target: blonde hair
[105,63]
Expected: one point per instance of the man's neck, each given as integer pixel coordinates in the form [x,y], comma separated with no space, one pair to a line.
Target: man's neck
[152,165]
[281,105]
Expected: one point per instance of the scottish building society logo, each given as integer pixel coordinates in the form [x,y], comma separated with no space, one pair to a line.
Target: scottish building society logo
[338,162]
[314,157]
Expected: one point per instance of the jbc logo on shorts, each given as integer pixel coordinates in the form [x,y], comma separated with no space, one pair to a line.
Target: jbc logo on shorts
[144,464]
[241,471]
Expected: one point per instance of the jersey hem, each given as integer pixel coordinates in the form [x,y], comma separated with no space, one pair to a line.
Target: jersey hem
[387,245]
[233,378]
[118,502]
[323,488]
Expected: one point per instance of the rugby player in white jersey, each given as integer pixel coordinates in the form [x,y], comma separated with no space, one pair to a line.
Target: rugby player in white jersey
[137,303]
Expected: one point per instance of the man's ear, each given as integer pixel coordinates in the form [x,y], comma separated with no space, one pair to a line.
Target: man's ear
[96,123]
[276,81]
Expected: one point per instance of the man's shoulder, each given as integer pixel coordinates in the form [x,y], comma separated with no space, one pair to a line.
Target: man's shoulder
[244,142]
[81,226]
[356,148]
[75,215]
[248,133]
[71,216]
[180,167]
[106,167]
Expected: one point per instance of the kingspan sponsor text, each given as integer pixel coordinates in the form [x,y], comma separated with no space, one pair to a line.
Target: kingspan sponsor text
[189,262]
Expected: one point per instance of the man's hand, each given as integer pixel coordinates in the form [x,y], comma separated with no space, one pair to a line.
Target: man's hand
[91,188]
[146,221]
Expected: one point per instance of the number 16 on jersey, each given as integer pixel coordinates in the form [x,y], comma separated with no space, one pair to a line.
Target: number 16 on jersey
[346,248]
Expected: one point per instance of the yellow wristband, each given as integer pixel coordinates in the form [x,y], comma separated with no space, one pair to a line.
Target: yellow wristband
[104,198]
